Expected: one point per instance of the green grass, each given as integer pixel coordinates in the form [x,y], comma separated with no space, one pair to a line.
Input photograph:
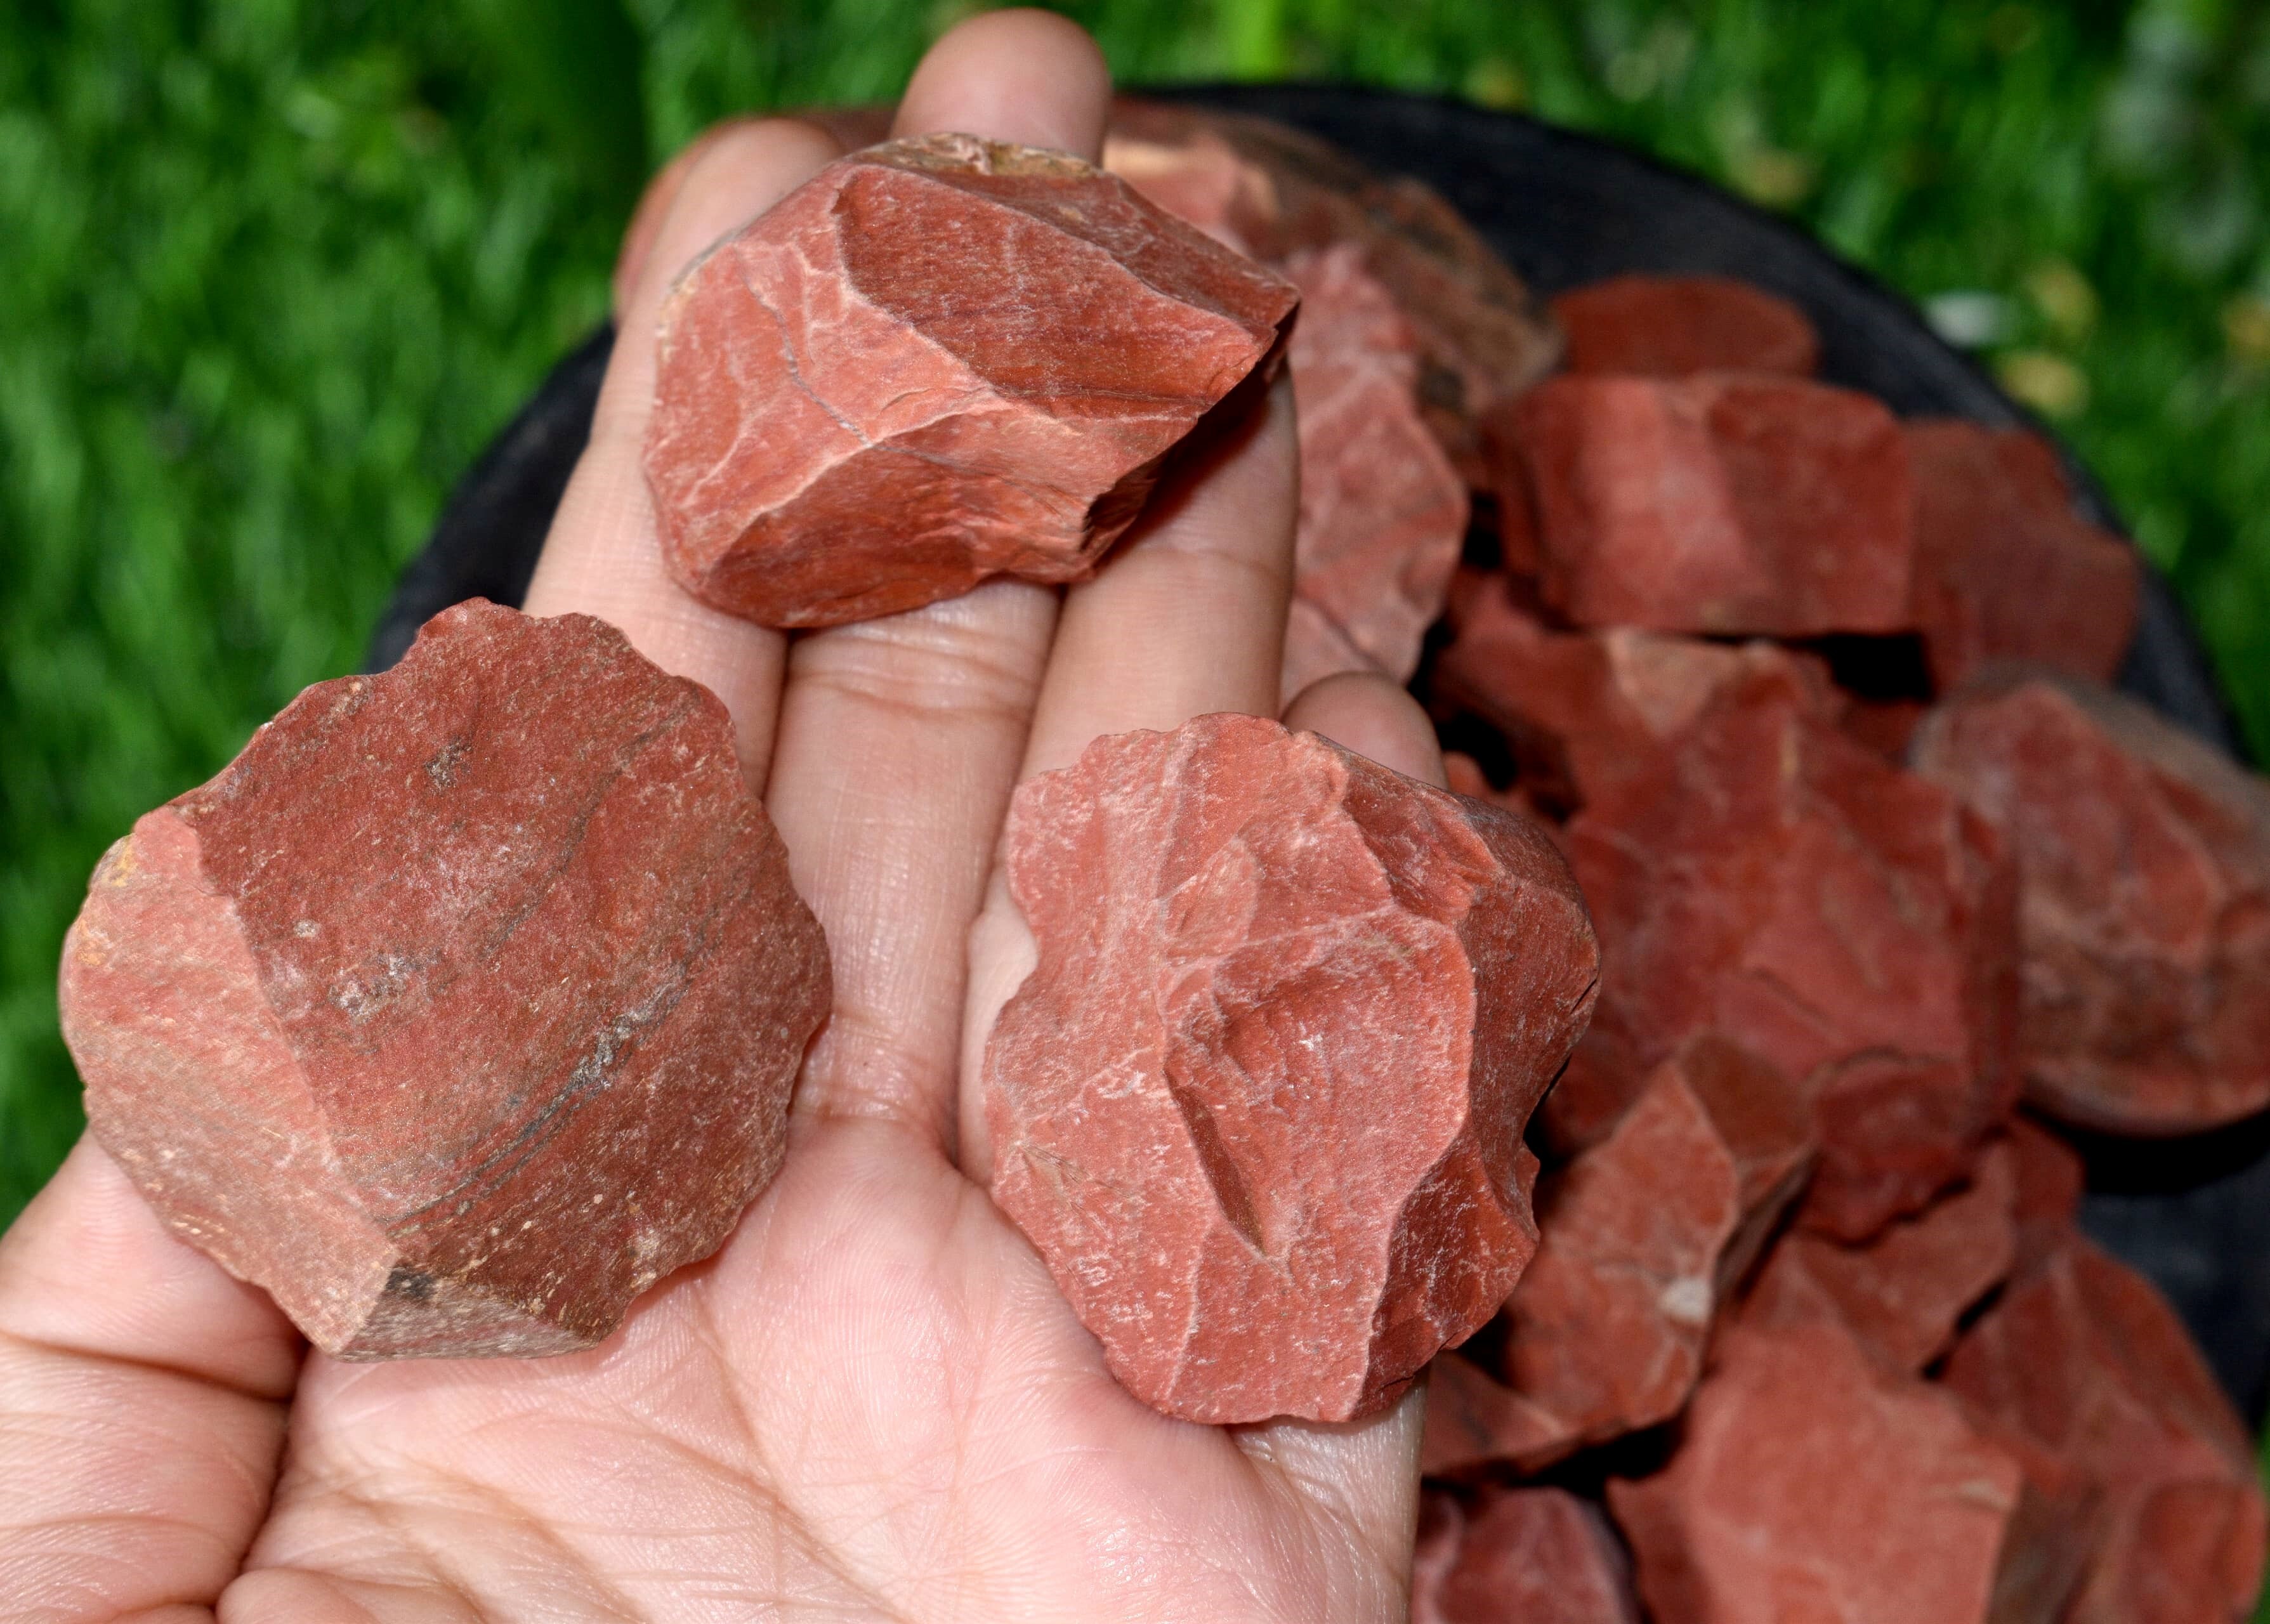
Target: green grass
[276,269]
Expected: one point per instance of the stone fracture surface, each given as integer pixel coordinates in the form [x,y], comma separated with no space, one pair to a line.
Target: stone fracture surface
[1901,1293]
[2144,859]
[1260,1105]
[1810,1484]
[1724,503]
[938,360]
[1536,1555]
[1382,513]
[1642,1237]
[2004,569]
[2083,1370]
[1586,712]
[1268,190]
[1778,884]
[464,1004]
[1669,327]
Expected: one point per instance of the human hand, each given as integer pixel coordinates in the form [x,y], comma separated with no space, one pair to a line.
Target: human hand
[872,1403]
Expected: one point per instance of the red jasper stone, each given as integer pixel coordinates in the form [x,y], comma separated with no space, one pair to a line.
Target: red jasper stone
[1642,1237]
[1724,503]
[2144,859]
[1901,1293]
[844,428]
[1260,1105]
[464,1004]
[1668,327]
[2004,569]
[1776,883]
[1382,513]
[2082,1369]
[1539,1555]
[1812,1483]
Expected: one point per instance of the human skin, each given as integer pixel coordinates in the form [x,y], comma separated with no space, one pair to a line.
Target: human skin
[872,1403]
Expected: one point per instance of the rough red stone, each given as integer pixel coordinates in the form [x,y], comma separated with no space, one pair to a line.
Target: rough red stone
[2144,859]
[1725,503]
[2047,1174]
[1382,513]
[1260,1105]
[2004,568]
[1810,1483]
[1669,327]
[1885,726]
[1774,882]
[2081,1368]
[460,1006]
[1538,1555]
[1901,1293]
[1270,191]
[1642,1236]
[844,428]
[1586,713]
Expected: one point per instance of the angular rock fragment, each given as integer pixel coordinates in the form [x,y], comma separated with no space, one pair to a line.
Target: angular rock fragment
[464,1004]
[1724,503]
[1812,1484]
[1670,327]
[2081,1370]
[1382,513]
[1901,1294]
[1538,1555]
[2047,1178]
[1584,712]
[2004,570]
[1270,191]
[1641,1238]
[2144,859]
[1777,884]
[1260,1105]
[843,429]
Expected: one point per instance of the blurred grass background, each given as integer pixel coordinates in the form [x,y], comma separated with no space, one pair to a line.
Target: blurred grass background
[274,270]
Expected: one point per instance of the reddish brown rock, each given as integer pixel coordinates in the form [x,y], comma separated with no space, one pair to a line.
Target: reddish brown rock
[1584,712]
[2047,1174]
[2082,1371]
[1901,1293]
[464,1004]
[1260,1105]
[1726,503]
[1885,726]
[2145,917]
[1669,327]
[1382,513]
[1812,1484]
[1774,882]
[2004,570]
[844,428]
[1271,190]
[1538,1555]
[1642,1236]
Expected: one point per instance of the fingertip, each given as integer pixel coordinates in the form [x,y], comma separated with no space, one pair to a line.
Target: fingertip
[1377,718]
[1019,75]
[653,208]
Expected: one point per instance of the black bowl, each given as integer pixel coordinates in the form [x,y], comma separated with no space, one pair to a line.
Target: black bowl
[1567,209]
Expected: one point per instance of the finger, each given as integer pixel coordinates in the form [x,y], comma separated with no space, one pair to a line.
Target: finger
[1361,1478]
[653,208]
[602,557]
[142,1401]
[900,738]
[1367,713]
[1188,618]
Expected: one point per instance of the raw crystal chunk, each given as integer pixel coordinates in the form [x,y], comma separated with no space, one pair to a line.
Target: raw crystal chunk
[938,360]
[2144,863]
[2004,570]
[1382,512]
[1260,1104]
[1668,327]
[464,1004]
[1536,1555]
[1723,503]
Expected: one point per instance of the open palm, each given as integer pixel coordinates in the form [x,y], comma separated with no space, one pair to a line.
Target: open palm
[873,1403]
